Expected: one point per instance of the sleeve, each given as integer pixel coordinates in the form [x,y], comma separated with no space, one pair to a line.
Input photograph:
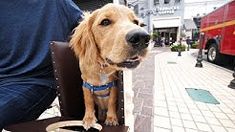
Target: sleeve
[72,12]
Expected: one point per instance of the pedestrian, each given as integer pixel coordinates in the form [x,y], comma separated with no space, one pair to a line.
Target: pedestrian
[26,72]
[188,41]
[163,41]
[171,41]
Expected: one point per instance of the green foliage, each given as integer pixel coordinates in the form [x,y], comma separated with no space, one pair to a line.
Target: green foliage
[154,35]
[177,47]
[195,46]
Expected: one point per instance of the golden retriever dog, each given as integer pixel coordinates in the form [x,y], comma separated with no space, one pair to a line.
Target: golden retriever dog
[107,40]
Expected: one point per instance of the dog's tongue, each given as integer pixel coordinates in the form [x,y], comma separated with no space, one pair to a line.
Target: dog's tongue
[132,62]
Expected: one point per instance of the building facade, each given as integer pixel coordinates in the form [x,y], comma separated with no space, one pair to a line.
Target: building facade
[168,19]
[162,17]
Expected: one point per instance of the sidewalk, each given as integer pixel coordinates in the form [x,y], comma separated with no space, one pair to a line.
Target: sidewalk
[175,111]
[143,81]
[166,106]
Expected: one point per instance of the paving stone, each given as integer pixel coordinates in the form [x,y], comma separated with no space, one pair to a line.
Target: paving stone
[161,121]
[138,104]
[176,122]
[230,129]
[227,123]
[177,129]
[143,84]
[218,128]
[203,127]
[161,111]
[173,79]
[148,102]
[189,124]
[147,111]
[160,129]
[186,116]
[142,124]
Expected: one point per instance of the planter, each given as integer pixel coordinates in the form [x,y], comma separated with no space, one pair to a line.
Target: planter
[175,48]
[195,46]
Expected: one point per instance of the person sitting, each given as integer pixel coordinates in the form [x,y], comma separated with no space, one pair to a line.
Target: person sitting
[188,41]
[26,72]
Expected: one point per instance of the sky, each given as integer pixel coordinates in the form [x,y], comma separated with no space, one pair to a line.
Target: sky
[187,1]
[191,10]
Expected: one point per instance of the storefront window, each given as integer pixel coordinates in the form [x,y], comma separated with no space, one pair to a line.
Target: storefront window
[136,9]
[167,1]
[156,2]
[177,1]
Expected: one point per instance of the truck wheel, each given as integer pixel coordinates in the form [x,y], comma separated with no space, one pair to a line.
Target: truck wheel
[213,54]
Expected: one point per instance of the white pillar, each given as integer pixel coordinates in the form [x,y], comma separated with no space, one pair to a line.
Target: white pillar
[178,33]
[128,99]
[150,6]
[116,1]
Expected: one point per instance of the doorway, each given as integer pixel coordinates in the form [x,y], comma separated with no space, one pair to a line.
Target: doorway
[167,36]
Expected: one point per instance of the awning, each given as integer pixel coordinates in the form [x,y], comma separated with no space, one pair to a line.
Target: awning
[166,23]
[189,24]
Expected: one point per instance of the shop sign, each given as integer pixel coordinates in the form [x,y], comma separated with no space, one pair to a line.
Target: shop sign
[167,10]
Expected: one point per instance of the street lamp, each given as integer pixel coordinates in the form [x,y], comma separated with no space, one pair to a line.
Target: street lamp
[199,57]
[180,45]
[232,83]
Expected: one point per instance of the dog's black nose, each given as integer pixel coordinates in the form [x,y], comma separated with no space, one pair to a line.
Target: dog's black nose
[138,38]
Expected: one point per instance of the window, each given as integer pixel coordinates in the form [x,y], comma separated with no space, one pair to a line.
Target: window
[156,2]
[177,1]
[136,9]
[167,1]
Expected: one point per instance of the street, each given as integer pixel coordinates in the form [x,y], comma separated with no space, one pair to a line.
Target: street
[161,102]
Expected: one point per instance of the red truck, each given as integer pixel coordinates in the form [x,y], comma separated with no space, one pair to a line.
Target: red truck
[219,33]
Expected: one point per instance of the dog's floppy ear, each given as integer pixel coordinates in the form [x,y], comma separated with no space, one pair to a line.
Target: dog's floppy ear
[82,41]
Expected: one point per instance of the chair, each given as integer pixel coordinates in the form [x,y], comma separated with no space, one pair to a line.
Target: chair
[70,94]
[69,83]
[68,80]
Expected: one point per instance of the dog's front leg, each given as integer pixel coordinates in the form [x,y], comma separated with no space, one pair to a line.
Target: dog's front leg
[111,118]
[89,119]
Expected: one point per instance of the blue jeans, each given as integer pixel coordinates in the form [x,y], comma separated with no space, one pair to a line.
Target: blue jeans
[23,102]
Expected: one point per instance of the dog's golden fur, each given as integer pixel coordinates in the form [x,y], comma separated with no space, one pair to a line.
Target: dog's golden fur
[93,42]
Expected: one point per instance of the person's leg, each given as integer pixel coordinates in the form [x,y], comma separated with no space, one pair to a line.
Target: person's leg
[19,103]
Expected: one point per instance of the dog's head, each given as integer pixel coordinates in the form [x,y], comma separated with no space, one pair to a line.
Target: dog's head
[113,35]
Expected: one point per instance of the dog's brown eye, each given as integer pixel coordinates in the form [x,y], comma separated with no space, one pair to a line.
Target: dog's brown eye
[143,24]
[136,22]
[105,22]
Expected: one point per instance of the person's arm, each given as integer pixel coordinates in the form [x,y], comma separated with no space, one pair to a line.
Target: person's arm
[71,11]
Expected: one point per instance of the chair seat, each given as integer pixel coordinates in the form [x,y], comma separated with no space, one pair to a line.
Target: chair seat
[40,126]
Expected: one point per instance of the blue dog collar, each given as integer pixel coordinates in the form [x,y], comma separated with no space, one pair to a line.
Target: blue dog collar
[97,88]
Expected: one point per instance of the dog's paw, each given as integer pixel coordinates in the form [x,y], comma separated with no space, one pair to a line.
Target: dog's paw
[89,121]
[111,120]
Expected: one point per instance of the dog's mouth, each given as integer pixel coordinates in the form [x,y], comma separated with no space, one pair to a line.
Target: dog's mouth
[132,62]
